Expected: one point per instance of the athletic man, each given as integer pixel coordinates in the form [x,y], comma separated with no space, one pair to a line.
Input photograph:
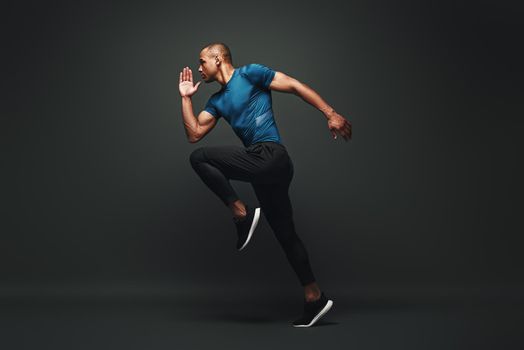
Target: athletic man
[244,101]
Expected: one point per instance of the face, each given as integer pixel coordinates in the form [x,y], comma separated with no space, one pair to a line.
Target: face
[208,67]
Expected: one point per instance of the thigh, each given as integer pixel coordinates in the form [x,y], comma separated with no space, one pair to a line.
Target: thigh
[235,162]
[276,166]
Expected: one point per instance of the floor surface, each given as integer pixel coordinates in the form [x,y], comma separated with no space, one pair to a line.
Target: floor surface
[219,321]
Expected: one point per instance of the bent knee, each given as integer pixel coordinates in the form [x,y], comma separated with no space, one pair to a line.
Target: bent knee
[197,156]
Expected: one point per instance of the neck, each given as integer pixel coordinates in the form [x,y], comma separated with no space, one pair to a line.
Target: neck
[226,72]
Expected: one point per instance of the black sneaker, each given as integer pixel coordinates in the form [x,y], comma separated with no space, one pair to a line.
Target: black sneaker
[313,311]
[246,226]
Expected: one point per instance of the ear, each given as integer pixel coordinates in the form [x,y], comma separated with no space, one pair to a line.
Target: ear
[217,61]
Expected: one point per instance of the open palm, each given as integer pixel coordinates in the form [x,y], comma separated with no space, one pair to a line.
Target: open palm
[185,85]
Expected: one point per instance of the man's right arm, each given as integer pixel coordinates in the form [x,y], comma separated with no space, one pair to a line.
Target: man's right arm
[196,127]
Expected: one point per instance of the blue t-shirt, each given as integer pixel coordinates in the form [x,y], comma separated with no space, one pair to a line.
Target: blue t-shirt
[245,102]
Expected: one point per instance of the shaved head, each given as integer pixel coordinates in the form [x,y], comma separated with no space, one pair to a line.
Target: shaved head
[219,49]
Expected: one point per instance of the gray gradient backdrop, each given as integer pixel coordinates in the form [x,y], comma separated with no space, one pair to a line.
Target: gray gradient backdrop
[98,192]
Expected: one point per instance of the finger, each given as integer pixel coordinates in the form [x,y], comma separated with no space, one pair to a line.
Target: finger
[184,74]
[334,134]
[190,75]
[343,134]
[348,128]
[180,78]
[347,134]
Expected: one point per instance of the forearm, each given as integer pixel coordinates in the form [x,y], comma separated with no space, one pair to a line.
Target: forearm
[313,98]
[190,121]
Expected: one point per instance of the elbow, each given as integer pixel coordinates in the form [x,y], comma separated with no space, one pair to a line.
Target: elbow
[296,87]
[193,137]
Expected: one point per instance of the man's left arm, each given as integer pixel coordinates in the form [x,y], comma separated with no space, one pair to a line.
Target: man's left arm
[336,123]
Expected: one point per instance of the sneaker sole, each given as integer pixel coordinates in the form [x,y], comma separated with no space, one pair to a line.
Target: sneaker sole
[252,229]
[322,312]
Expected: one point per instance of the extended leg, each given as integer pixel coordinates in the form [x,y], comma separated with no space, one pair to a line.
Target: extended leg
[276,206]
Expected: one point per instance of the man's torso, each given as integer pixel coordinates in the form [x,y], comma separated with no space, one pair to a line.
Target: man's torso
[245,102]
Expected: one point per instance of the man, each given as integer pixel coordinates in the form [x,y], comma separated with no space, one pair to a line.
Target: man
[245,102]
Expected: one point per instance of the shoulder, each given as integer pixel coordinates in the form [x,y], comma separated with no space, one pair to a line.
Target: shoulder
[244,70]
[252,67]
[259,74]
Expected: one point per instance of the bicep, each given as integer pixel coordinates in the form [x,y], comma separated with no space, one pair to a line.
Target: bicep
[283,83]
[206,122]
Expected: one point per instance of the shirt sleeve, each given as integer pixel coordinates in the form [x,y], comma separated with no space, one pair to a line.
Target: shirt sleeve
[260,75]
[210,108]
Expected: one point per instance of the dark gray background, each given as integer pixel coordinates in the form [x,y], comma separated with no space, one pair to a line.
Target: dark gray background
[97,189]
[110,240]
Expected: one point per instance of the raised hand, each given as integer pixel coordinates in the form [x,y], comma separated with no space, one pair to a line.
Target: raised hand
[185,85]
[337,123]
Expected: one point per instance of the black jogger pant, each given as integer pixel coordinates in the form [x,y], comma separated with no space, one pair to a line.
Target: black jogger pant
[268,167]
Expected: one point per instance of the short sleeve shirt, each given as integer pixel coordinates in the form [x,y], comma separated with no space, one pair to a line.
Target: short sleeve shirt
[245,102]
